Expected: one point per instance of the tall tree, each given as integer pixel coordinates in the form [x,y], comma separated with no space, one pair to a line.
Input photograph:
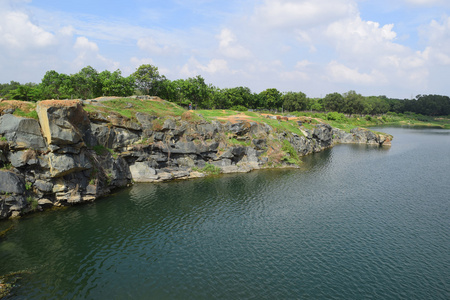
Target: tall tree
[148,79]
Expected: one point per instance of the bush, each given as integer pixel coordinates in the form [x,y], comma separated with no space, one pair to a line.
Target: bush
[335,116]
[211,169]
[239,108]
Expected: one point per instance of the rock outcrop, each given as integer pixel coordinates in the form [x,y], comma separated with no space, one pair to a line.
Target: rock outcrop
[71,156]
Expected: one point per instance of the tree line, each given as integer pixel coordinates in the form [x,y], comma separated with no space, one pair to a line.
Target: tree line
[88,83]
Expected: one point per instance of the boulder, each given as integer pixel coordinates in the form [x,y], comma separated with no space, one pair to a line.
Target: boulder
[22,133]
[145,120]
[62,121]
[323,133]
[64,164]
[240,128]
[143,172]
[43,186]
[11,183]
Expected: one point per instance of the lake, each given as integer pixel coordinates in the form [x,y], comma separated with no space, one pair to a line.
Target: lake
[354,222]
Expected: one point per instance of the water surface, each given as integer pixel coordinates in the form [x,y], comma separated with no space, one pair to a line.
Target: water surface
[355,222]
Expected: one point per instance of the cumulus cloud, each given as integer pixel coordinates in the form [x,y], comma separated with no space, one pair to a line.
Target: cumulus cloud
[228,45]
[193,67]
[18,33]
[88,54]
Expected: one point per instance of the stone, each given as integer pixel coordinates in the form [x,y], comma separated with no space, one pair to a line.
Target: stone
[240,128]
[143,172]
[169,124]
[185,162]
[64,164]
[43,186]
[145,120]
[11,183]
[260,144]
[62,121]
[22,133]
[45,203]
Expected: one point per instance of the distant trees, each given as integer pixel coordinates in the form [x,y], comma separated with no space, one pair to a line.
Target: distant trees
[88,83]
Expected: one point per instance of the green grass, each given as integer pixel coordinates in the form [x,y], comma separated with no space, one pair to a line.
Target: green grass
[292,156]
[128,107]
[27,114]
[211,169]
[33,202]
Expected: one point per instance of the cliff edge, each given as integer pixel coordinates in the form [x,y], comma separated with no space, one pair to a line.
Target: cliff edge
[76,151]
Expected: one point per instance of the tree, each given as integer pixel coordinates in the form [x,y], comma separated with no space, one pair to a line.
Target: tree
[113,84]
[54,85]
[271,99]
[353,103]
[148,80]
[333,102]
[86,83]
[294,101]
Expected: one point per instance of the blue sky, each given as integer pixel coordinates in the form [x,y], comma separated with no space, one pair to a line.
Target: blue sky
[398,48]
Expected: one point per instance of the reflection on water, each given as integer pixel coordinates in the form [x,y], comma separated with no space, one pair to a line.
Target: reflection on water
[353,222]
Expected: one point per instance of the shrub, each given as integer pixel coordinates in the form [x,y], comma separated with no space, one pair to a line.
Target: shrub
[211,169]
[292,156]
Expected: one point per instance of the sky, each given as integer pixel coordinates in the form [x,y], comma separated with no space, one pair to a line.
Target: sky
[397,48]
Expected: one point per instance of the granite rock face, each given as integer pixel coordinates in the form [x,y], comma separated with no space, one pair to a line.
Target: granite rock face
[70,156]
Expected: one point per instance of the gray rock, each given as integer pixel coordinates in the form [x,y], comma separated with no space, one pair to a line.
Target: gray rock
[64,164]
[17,159]
[169,124]
[260,144]
[180,148]
[44,186]
[186,162]
[159,136]
[45,203]
[227,154]
[323,132]
[143,172]
[11,183]
[145,120]
[62,122]
[22,133]
[222,163]
[240,128]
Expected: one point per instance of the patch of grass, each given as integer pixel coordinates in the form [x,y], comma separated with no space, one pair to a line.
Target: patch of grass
[3,139]
[32,202]
[128,107]
[211,169]
[291,155]
[6,166]
[27,114]
[102,150]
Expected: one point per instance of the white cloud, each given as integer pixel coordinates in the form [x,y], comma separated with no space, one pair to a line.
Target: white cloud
[337,72]
[193,67]
[288,14]
[425,2]
[88,54]
[19,34]
[229,47]
[150,45]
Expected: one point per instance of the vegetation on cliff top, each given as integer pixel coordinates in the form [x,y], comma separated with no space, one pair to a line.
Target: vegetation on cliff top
[88,83]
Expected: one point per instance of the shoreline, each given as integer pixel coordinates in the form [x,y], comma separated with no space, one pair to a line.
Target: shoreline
[76,152]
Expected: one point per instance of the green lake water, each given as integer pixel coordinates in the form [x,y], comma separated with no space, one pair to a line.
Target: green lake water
[354,222]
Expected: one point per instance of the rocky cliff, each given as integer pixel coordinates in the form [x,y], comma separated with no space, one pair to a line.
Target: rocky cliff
[70,155]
